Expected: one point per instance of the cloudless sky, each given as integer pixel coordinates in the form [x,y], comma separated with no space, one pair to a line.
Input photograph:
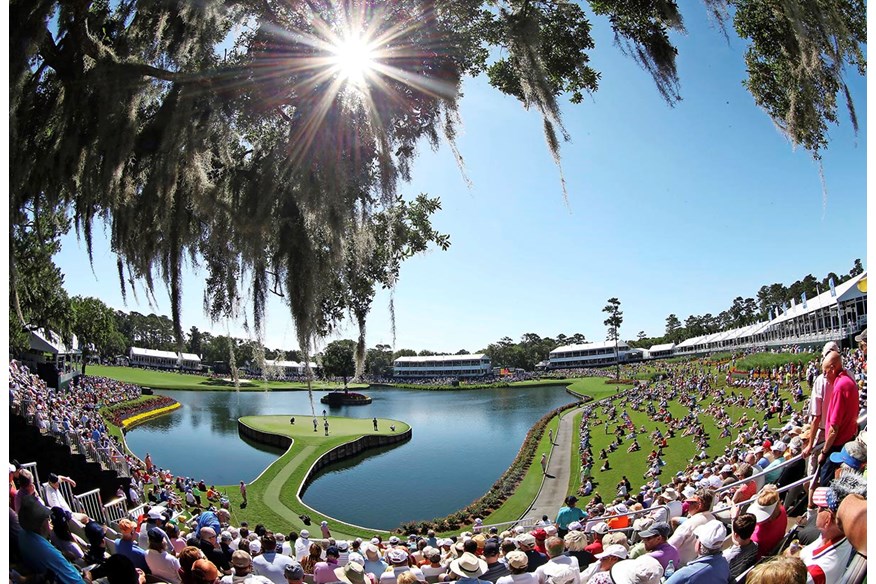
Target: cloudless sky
[672,210]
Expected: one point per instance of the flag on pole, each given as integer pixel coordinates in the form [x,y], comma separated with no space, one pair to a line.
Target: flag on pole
[804,301]
[832,288]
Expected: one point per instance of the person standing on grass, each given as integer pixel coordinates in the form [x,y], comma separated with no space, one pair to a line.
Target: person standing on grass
[243,491]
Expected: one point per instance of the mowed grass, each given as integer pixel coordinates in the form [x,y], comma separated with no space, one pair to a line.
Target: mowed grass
[272,499]
[187,381]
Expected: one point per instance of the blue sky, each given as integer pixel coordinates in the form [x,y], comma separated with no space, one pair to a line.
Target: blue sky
[672,210]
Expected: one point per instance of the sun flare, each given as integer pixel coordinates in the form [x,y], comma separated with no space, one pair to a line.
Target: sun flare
[353,59]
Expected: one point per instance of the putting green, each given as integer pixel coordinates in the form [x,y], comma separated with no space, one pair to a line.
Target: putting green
[274,497]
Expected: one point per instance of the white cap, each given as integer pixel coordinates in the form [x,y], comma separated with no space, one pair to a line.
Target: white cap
[615,550]
[711,535]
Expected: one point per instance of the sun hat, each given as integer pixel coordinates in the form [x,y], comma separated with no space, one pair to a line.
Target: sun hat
[397,556]
[670,493]
[762,513]
[304,533]
[711,534]
[351,573]
[862,336]
[660,528]
[615,550]
[559,574]
[643,570]
[241,559]
[688,492]
[853,454]
[517,560]
[293,571]
[601,527]
[468,565]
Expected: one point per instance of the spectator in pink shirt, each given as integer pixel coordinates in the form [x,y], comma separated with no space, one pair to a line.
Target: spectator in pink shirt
[841,419]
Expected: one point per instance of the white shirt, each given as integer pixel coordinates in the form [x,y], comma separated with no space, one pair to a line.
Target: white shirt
[390,576]
[54,498]
[826,564]
[271,566]
[570,561]
[163,566]
[525,578]
[683,539]
[302,547]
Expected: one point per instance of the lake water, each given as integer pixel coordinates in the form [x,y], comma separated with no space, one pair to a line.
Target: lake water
[462,442]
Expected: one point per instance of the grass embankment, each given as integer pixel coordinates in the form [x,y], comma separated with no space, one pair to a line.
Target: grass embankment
[770,360]
[680,448]
[575,466]
[187,381]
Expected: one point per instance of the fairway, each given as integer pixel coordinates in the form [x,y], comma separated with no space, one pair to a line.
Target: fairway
[174,380]
[273,498]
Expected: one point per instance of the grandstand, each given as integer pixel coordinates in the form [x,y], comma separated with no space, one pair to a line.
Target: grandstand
[155,359]
[592,355]
[442,366]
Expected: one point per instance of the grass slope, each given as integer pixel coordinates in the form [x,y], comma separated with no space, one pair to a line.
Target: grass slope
[173,380]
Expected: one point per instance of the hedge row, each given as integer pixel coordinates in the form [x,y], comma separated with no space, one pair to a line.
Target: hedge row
[503,488]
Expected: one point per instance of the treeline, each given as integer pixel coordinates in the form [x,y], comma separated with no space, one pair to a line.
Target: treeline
[747,311]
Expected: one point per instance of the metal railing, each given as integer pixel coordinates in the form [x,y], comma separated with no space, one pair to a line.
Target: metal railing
[92,505]
[37,483]
[116,509]
[761,475]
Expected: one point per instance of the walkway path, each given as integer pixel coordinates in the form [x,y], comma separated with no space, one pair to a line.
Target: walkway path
[554,487]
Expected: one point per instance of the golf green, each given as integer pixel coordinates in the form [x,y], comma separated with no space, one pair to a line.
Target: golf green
[274,498]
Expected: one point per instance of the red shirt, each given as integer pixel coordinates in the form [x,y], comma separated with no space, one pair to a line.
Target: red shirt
[842,411]
[770,532]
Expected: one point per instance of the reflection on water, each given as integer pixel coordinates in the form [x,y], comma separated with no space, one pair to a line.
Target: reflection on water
[462,442]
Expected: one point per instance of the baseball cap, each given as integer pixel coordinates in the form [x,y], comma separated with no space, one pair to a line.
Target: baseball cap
[831,346]
[779,446]
[304,533]
[526,539]
[711,534]
[155,534]
[762,513]
[155,513]
[575,526]
[601,527]
[615,550]
[853,454]
[660,528]
[293,571]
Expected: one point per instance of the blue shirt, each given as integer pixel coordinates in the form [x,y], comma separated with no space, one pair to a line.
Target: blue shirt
[208,519]
[41,556]
[569,514]
[712,569]
[133,552]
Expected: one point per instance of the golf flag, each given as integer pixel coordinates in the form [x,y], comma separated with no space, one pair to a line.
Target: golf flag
[804,301]
[832,288]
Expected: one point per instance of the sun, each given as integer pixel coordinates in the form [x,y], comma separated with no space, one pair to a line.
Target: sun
[353,59]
